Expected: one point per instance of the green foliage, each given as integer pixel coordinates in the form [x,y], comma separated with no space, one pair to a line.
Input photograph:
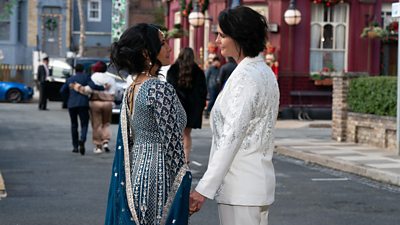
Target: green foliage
[373,95]
[158,14]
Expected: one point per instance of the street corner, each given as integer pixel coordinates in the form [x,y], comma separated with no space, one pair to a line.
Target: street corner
[3,192]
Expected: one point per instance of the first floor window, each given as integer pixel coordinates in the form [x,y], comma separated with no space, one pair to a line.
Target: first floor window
[328,37]
[5,24]
[94,10]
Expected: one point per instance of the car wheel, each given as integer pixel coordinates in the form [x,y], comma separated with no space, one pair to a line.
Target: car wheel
[14,95]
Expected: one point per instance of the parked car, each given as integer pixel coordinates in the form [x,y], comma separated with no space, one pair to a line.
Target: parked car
[60,72]
[15,92]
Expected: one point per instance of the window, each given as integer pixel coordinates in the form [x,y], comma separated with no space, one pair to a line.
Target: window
[94,10]
[328,37]
[5,23]
[386,14]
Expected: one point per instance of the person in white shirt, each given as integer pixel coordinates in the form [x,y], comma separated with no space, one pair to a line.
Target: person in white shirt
[240,174]
[101,103]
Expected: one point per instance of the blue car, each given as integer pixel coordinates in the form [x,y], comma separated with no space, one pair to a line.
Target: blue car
[15,92]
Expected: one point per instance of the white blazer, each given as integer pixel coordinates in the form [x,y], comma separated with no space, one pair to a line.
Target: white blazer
[240,170]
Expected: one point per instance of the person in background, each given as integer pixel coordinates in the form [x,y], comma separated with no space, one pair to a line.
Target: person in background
[101,103]
[190,84]
[78,106]
[43,74]
[240,174]
[212,83]
[150,181]
[225,71]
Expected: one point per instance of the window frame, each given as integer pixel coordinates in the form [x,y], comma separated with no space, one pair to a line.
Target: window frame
[8,20]
[334,48]
[90,9]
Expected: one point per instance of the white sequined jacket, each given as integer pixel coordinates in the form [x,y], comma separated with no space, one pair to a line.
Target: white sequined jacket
[240,170]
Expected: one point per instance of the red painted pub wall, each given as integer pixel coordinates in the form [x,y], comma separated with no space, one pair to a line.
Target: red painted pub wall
[292,43]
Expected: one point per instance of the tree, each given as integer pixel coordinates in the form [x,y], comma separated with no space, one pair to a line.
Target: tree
[82,29]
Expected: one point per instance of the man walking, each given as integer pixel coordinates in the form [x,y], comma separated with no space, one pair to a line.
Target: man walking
[78,106]
[43,74]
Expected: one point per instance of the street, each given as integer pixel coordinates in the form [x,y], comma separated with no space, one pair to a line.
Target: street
[47,184]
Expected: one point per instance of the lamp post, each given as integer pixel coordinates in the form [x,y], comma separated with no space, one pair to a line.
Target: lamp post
[196,19]
[292,15]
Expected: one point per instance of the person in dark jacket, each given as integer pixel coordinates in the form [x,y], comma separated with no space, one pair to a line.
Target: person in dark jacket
[212,74]
[189,82]
[43,73]
[78,106]
[225,71]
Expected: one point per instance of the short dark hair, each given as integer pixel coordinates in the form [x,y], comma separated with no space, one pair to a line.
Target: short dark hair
[245,26]
[46,58]
[79,68]
[128,52]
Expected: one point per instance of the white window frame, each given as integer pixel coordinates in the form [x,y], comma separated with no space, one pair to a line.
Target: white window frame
[334,48]
[386,14]
[90,9]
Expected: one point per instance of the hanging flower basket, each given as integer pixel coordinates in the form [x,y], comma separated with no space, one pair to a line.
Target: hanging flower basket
[176,32]
[186,8]
[374,31]
[328,3]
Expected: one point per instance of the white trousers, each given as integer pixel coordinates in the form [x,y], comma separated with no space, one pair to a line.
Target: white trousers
[243,215]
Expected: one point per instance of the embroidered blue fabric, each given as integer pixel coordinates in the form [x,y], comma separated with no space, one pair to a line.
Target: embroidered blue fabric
[137,201]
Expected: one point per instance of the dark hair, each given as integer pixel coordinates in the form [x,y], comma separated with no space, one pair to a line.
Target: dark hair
[79,68]
[245,26]
[216,58]
[46,58]
[99,66]
[129,52]
[185,61]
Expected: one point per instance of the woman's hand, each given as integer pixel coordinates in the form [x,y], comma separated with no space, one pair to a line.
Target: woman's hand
[196,201]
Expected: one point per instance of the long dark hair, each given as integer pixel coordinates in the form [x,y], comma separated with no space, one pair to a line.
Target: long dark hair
[130,51]
[185,61]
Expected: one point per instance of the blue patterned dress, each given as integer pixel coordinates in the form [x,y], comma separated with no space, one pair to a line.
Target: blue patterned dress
[150,183]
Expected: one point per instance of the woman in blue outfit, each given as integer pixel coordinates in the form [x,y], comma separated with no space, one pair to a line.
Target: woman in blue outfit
[150,181]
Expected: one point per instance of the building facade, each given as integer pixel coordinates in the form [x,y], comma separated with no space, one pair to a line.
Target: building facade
[330,38]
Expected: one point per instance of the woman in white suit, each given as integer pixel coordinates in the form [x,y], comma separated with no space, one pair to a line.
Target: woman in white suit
[240,175]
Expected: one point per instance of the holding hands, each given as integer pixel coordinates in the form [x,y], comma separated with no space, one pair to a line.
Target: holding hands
[196,201]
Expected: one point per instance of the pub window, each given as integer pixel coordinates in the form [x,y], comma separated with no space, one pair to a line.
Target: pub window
[328,37]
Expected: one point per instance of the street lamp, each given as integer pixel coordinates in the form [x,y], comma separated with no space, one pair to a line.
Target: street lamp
[196,17]
[292,15]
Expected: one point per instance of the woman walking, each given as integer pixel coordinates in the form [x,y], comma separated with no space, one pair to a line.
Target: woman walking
[190,84]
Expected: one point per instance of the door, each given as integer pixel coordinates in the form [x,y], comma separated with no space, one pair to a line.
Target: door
[51,31]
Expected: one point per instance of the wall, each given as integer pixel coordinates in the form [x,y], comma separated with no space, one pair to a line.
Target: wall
[347,126]
[369,129]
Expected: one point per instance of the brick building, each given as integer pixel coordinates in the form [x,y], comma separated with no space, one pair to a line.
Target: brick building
[327,40]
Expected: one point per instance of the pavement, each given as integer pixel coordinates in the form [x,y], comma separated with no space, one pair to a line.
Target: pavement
[311,141]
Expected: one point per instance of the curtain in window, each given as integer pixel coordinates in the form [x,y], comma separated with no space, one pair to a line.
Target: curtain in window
[328,37]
